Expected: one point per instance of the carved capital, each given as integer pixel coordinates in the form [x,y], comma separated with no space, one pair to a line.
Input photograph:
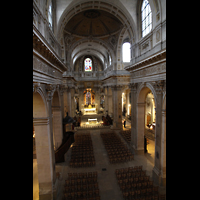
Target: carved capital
[50,90]
[133,86]
[159,86]
[36,87]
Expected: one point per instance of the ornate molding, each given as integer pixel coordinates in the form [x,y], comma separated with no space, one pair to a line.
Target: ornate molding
[159,86]
[36,86]
[50,90]
[41,121]
[150,61]
[133,86]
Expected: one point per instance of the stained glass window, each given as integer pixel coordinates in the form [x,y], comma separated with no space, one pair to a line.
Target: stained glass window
[88,65]
[146,18]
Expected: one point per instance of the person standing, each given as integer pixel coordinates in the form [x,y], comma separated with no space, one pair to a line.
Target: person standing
[124,123]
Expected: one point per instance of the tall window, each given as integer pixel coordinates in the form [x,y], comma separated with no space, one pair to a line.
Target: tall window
[126,52]
[88,65]
[146,18]
[50,14]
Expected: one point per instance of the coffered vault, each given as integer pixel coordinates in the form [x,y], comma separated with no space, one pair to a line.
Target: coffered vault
[94,27]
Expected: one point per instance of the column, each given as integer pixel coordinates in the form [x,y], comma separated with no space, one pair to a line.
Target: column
[57,126]
[133,87]
[110,103]
[69,105]
[50,90]
[140,128]
[106,100]
[117,106]
[163,149]
[158,132]
[72,113]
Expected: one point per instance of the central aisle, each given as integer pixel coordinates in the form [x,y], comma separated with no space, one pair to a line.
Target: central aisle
[107,181]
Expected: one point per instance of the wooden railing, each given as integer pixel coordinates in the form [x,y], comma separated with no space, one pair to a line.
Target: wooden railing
[67,141]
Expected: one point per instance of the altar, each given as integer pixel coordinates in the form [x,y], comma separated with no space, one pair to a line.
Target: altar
[89,109]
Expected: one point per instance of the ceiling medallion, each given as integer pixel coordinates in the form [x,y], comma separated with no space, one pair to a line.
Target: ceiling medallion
[92,14]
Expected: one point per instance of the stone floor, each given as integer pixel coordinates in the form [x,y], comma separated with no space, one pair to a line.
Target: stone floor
[107,181]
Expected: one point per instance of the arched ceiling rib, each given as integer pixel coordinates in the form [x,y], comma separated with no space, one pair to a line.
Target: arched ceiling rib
[97,23]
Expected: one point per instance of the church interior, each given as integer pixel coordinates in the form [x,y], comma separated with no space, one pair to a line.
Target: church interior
[99,99]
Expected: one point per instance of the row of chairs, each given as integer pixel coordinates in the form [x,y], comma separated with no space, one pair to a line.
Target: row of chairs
[116,149]
[82,186]
[135,184]
[126,134]
[82,152]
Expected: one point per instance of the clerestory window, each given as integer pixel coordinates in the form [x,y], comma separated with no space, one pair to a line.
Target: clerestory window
[126,52]
[50,11]
[146,18]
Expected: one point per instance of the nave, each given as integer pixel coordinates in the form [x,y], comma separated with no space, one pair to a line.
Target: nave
[106,178]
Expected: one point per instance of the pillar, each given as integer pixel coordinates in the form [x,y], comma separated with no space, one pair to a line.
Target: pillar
[133,87]
[158,132]
[46,169]
[163,149]
[69,105]
[57,126]
[139,146]
[106,100]
[110,103]
[117,106]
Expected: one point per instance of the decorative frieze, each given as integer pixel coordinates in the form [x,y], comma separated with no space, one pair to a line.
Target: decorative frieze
[160,68]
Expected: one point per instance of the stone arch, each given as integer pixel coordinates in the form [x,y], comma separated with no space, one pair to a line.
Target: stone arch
[41,122]
[116,8]
[73,56]
[39,103]
[144,87]
[143,90]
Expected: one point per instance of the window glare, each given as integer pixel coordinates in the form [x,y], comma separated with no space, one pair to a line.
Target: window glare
[146,15]
[126,52]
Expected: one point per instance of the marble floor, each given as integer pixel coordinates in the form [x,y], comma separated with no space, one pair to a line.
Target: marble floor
[107,181]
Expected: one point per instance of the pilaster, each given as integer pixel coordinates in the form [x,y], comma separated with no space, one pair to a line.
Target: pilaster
[158,85]
[50,90]
[44,158]
[117,106]
[133,88]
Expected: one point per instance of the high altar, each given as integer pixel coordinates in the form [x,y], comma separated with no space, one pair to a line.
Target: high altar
[89,97]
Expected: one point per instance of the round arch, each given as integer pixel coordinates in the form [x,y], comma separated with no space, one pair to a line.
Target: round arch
[118,9]
[39,104]
[142,92]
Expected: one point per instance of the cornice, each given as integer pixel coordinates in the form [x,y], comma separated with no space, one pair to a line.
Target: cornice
[41,45]
[147,62]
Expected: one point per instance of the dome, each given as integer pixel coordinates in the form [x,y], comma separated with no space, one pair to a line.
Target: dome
[96,23]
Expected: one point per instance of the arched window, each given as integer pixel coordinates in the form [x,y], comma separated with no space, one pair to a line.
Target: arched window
[88,65]
[126,52]
[50,11]
[146,18]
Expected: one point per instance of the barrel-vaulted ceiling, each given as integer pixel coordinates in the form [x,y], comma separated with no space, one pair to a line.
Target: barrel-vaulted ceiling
[93,28]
